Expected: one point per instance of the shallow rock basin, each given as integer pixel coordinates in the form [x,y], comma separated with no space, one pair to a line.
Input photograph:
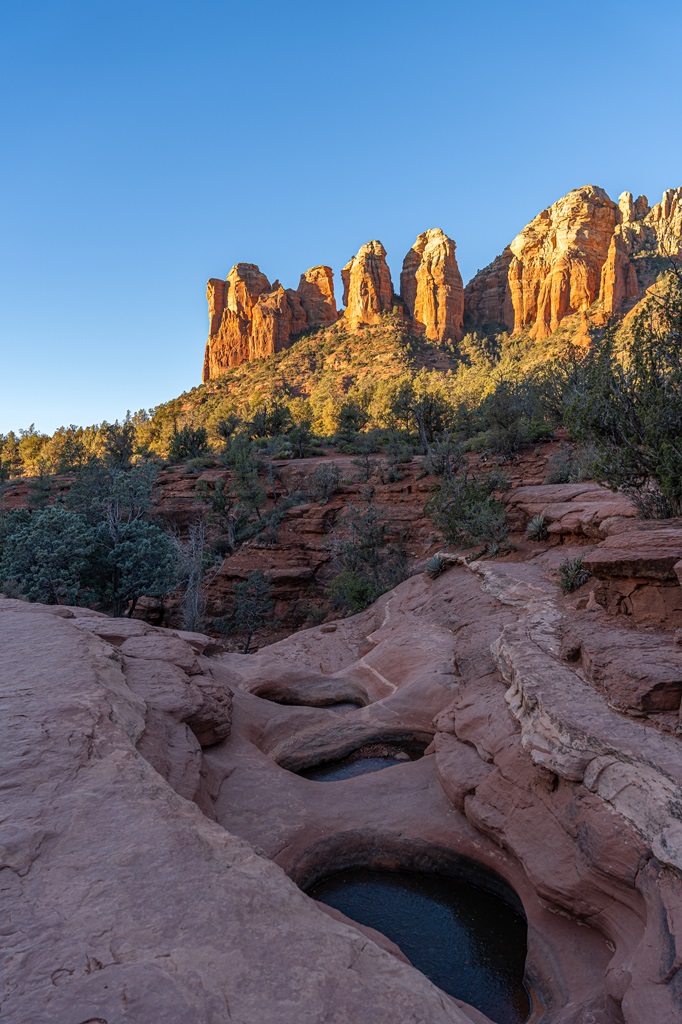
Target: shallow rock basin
[371,758]
[467,941]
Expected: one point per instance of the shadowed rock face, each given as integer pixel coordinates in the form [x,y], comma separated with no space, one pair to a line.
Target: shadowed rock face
[367,287]
[431,286]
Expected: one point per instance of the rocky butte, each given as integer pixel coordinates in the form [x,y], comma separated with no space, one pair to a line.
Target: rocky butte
[584,256]
[250,318]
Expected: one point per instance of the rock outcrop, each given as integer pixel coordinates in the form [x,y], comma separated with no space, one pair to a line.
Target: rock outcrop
[316,292]
[643,243]
[584,257]
[557,260]
[584,254]
[487,297]
[367,287]
[431,286]
[249,318]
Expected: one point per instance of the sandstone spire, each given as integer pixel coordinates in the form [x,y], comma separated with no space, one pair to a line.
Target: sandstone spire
[316,292]
[431,286]
[367,287]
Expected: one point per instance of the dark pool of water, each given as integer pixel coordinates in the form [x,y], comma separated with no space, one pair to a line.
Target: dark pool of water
[360,762]
[466,940]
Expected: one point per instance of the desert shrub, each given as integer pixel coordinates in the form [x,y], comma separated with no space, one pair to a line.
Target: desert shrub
[368,565]
[324,482]
[201,462]
[570,465]
[435,566]
[628,404]
[253,605]
[188,443]
[537,528]
[270,420]
[444,457]
[48,556]
[467,512]
[572,574]
[512,417]
[398,448]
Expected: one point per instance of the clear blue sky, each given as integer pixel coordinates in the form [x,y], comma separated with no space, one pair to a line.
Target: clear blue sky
[150,145]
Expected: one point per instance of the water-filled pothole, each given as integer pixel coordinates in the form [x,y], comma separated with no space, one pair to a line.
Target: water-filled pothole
[326,705]
[468,941]
[370,758]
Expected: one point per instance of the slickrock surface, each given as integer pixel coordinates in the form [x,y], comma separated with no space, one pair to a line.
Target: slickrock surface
[367,287]
[152,800]
[122,901]
[431,286]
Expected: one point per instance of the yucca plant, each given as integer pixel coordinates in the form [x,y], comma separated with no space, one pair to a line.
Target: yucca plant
[537,528]
[572,574]
[435,566]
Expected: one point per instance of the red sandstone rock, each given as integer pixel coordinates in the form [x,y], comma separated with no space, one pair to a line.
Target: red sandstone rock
[642,242]
[367,287]
[277,317]
[558,258]
[316,292]
[431,286]
[487,297]
[584,253]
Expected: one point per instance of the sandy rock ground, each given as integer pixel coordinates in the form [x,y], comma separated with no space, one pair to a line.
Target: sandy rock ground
[155,832]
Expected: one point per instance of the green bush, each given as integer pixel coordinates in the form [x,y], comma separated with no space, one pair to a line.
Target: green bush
[628,404]
[325,482]
[188,443]
[570,465]
[368,565]
[467,512]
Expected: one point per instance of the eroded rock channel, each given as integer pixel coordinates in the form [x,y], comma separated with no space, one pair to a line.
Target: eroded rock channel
[160,838]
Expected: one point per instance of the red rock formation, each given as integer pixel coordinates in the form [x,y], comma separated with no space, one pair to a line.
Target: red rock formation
[557,260]
[487,297]
[316,292]
[277,317]
[367,287]
[230,305]
[582,250]
[642,243]
[431,286]
[251,319]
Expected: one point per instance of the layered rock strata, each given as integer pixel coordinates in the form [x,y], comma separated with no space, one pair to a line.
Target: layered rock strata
[431,286]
